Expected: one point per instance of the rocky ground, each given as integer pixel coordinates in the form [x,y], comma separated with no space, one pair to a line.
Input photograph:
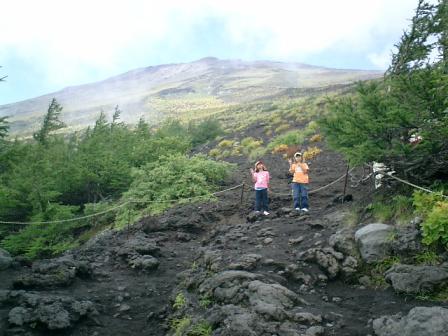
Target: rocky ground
[217,265]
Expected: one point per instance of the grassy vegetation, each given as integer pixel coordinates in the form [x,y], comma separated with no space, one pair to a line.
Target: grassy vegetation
[180,325]
[57,178]
[180,301]
[376,271]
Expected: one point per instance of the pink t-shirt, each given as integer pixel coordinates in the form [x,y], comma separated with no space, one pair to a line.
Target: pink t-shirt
[261,179]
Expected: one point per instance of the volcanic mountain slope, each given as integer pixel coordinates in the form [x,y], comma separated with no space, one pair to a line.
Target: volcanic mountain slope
[171,90]
[215,269]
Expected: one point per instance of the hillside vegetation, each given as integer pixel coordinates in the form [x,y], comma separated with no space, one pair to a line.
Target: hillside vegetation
[186,91]
[402,121]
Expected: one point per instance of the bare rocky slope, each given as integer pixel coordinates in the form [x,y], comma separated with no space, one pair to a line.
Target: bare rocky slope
[157,92]
[216,269]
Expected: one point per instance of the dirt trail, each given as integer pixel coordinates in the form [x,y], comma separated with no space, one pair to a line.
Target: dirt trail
[135,301]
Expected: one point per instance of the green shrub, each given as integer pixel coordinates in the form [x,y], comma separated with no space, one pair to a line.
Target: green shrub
[226,144]
[175,177]
[204,131]
[215,152]
[435,225]
[180,301]
[180,325]
[434,210]
[205,301]
[427,258]
[257,153]
[376,271]
[397,208]
[282,127]
[203,328]
[46,240]
[291,138]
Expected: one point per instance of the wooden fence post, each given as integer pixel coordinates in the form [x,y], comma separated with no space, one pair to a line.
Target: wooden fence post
[345,184]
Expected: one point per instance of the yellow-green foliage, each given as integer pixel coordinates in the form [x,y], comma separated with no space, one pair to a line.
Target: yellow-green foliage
[311,153]
[427,258]
[214,152]
[291,138]
[282,148]
[203,328]
[226,144]
[316,138]
[257,153]
[397,208]
[434,210]
[205,301]
[180,325]
[180,301]
[282,127]
[376,271]
[249,144]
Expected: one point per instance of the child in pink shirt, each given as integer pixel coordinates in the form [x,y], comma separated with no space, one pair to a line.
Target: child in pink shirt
[260,176]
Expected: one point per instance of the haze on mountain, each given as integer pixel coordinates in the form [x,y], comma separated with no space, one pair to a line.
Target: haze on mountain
[206,86]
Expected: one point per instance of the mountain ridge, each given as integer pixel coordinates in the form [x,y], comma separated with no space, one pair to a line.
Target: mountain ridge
[169,90]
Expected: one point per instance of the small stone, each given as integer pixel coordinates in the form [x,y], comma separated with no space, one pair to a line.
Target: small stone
[267,241]
[295,241]
[124,308]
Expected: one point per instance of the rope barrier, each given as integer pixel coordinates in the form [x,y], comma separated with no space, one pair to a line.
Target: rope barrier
[320,188]
[389,174]
[121,205]
[71,219]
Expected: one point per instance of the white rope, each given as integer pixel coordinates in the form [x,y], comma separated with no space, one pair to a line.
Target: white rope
[413,185]
[71,219]
[320,188]
[121,205]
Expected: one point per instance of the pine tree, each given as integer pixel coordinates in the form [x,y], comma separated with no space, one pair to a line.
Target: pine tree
[50,123]
[4,127]
[384,118]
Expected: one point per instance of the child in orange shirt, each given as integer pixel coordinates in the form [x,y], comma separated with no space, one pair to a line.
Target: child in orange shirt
[299,182]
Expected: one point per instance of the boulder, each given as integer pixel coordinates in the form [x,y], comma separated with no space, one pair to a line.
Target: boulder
[342,241]
[327,258]
[247,262]
[420,321]
[374,241]
[407,240]
[145,262]
[271,300]
[141,245]
[413,279]
[50,311]
[48,273]
[5,259]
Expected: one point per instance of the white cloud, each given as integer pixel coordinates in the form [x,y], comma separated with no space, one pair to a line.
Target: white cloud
[381,60]
[69,39]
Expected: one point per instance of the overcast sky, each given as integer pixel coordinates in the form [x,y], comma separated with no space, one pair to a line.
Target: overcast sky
[47,45]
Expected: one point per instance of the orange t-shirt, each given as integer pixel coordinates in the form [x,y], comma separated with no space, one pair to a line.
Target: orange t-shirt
[300,171]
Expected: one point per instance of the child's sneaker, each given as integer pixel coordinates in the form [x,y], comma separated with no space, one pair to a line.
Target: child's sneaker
[265,213]
[305,210]
[297,209]
[257,212]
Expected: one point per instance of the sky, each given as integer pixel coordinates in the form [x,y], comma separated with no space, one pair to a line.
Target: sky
[48,45]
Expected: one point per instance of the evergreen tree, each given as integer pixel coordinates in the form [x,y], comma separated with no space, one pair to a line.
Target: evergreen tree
[4,127]
[50,123]
[403,120]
